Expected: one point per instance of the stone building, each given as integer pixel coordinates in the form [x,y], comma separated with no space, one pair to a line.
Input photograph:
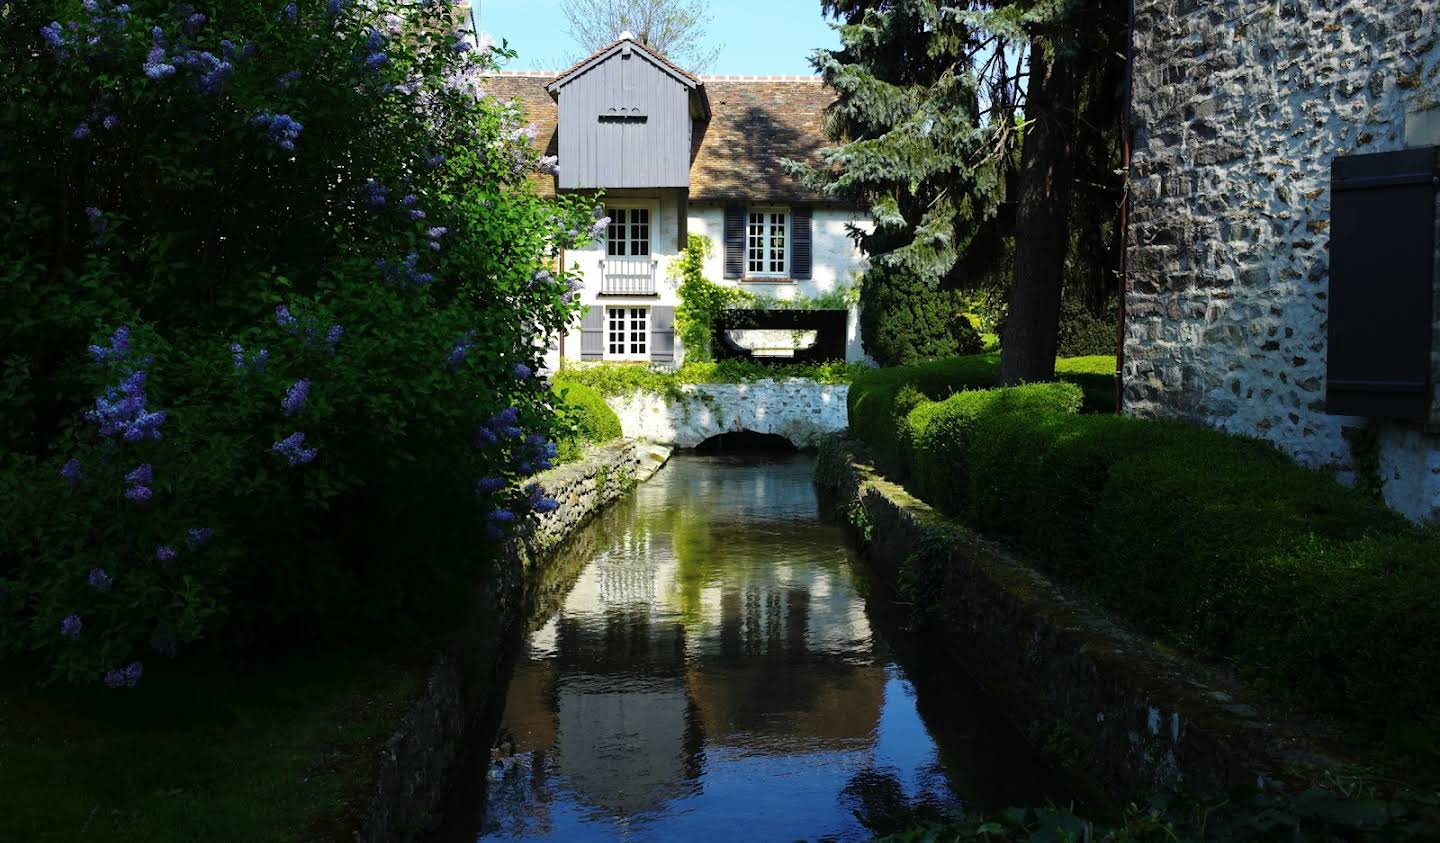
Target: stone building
[678,154]
[1239,109]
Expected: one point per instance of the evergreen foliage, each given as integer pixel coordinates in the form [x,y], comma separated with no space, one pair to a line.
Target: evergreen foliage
[905,319]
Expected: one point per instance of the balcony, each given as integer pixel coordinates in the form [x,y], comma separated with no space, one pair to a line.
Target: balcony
[621,276]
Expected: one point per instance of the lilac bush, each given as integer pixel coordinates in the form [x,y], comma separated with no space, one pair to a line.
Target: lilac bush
[274,293]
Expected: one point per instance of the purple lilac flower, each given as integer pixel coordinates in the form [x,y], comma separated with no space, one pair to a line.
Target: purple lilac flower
[410,200]
[295,397]
[293,449]
[335,7]
[110,122]
[166,553]
[416,215]
[101,581]
[139,494]
[461,44]
[462,348]
[485,437]
[502,516]
[214,72]
[200,536]
[290,12]
[285,319]
[540,500]
[373,193]
[128,677]
[261,358]
[490,485]
[143,474]
[507,416]
[548,164]
[156,66]
[81,132]
[332,336]
[521,372]
[192,23]
[53,34]
[237,353]
[286,79]
[434,160]
[71,627]
[98,223]
[71,471]
[282,129]
[598,230]
[121,411]
[120,343]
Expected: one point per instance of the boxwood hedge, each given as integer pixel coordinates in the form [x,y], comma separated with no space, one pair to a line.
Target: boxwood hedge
[1221,545]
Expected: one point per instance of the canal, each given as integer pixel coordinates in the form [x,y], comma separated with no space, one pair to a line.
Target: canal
[715,672]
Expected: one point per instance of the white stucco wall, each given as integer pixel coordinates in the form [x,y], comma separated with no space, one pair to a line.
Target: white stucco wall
[836,263]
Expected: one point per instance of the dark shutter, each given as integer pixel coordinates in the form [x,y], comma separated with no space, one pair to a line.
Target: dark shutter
[800,239]
[1382,277]
[734,243]
[662,334]
[592,333]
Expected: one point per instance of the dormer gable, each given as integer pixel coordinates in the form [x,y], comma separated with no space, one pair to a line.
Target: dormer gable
[626,119]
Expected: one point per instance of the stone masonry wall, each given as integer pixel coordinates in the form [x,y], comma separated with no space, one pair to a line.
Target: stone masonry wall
[1238,109]
[798,409]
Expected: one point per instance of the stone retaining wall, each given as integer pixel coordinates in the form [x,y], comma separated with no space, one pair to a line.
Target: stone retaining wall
[418,759]
[1144,722]
[800,410]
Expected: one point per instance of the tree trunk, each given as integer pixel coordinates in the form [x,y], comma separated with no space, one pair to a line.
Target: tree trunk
[1042,222]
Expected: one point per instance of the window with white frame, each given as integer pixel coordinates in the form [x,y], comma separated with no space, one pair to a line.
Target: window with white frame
[766,246]
[629,232]
[627,333]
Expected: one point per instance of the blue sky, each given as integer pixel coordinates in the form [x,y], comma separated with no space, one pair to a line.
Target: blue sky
[758,36]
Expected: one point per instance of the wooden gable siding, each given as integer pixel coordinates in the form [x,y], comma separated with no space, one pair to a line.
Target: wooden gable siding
[624,122]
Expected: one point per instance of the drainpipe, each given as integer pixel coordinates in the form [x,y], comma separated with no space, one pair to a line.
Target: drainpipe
[1125,142]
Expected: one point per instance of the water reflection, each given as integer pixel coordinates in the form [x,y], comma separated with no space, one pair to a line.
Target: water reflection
[713,674]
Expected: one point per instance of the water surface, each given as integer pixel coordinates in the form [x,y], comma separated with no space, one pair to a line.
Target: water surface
[715,674]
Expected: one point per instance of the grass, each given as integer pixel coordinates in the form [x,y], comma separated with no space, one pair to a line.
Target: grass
[277,754]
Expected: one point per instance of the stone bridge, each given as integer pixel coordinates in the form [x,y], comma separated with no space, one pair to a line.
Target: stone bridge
[800,410]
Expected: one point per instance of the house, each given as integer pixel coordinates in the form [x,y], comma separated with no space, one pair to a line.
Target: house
[677,154]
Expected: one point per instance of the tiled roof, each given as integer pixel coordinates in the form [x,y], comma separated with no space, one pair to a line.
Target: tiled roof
[756,121]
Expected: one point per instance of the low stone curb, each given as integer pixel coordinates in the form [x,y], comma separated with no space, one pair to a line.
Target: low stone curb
[417,761]
[1144,720]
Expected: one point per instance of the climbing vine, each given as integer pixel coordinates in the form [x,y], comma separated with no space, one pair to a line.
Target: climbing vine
[701,300]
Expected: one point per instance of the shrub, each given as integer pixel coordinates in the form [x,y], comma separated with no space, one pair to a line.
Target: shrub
[905,319]
[303,252]
[873,413]
[586,418]
[1220,544]
[938,432]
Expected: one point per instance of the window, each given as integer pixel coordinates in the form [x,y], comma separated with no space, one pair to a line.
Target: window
[629,232]
[627,333]
[765,242]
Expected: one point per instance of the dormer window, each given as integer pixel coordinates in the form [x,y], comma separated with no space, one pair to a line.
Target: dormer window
[629,232]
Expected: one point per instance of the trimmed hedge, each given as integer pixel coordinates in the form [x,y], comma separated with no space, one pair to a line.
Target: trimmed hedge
[1220,544]
[589,418]
[880,398]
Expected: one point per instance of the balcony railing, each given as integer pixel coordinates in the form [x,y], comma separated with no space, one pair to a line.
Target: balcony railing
[628,276]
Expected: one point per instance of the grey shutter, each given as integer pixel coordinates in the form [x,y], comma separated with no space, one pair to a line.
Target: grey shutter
[800,244]
[662,334]
[592,333]
[734,243]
